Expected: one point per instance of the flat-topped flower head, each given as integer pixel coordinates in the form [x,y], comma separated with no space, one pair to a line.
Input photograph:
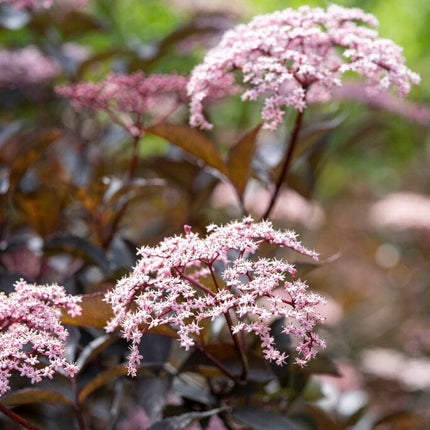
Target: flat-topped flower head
[134,101]
[32,338]
[187,279]
[296,57]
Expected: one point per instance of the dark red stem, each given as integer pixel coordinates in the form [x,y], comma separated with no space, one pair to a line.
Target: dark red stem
[286,163]
[17,418]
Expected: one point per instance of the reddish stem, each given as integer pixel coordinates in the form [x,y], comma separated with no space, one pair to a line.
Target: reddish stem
[77,405]
[237,342]
[194,282]
[17,418]
[286,163]
[219,365]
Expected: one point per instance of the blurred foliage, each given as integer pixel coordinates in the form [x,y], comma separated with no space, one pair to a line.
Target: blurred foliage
[68,215]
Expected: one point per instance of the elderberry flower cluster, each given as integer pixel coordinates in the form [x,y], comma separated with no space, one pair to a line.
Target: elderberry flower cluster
[187,279]
[26,66]
[133,101]
[296,57]
[32,338]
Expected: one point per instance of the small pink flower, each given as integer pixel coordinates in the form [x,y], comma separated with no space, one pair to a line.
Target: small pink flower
[297,57]
[32,338]
[187,279]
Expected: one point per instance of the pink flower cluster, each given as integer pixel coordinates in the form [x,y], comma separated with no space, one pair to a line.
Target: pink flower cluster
[130,99]
[26,66]
[187,279]
[32,339]
[296,57]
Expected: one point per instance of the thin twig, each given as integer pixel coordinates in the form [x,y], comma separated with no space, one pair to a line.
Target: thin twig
[238,345]
[77,405]
[134,158]
[195,283]
[286,163]
[129,179]
[237,342]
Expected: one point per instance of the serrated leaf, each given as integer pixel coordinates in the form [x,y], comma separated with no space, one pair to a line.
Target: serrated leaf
[182,421]
[102,379]
[240,160]
[258,419]
[192,141]
[33,395]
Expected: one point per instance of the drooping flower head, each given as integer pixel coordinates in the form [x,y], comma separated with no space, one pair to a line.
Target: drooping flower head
[26,66]
[32,338]
[180,283]
[296,57]
[131,100]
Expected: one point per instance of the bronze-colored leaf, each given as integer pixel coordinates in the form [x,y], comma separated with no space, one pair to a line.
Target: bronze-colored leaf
[24,149]
[95,312]
[240,160]
[41,209]
[102,379]
[34,395]
[192,141]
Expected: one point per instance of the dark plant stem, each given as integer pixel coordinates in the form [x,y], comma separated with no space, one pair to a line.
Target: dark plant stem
[236,340]
[17,418]
[77,405]
[130,176]
[286,163]
[239,346]
[134,158]
[242,204]
[219,365]
[195,283]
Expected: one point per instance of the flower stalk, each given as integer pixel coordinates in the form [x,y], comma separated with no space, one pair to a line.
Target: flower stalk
[285,164]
